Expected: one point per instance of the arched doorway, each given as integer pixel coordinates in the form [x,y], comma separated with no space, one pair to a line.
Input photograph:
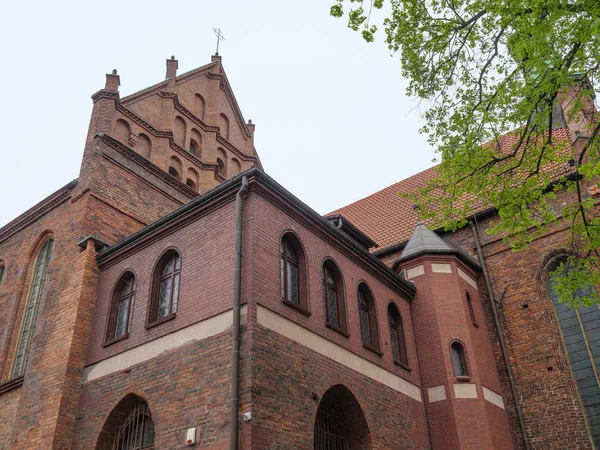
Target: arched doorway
[128,427]
[340,423]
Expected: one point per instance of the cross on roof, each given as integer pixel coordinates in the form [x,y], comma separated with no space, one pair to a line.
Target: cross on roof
[220,37]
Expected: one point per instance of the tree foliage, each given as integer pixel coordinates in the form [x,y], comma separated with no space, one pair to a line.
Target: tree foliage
[499,80]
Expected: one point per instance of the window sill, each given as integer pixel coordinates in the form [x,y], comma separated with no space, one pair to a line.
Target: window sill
[373,349]
[463,379]
[115,340]
[299,308]
[339,330]
[15,383]
[160,321]
[404,366]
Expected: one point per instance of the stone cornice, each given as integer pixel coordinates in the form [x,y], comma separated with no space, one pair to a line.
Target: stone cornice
[147,165]
[36,212]
[103,93]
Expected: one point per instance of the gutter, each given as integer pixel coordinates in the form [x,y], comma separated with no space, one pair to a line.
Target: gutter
[511,379]
[237,290]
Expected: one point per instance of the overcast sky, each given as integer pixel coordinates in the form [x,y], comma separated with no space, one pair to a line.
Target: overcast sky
[332,121]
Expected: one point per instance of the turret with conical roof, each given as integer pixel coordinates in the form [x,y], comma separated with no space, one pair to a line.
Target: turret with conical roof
[463,396]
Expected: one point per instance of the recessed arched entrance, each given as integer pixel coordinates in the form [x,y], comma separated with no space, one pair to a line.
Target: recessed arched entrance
[128,427]
[340,423]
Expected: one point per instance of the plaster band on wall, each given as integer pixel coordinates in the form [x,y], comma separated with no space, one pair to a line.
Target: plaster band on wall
[198,331]
[414,272]
[492,397]
[441,268]
[467,278]
[436,393]
[319,344]
[465,390]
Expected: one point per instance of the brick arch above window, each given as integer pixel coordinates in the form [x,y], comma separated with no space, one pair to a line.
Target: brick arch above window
[166,279]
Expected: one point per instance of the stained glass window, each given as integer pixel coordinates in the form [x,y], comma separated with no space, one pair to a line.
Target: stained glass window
[364,311]
[125,306]
[168,290]
[331,296]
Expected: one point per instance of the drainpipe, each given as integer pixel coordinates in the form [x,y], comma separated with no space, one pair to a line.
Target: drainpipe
[511,379]
[237,289]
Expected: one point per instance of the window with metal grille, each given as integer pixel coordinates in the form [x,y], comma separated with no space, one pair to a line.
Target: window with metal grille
[329,431]
[459,360]
[165,289]
[136,432]
[367,316]
[397,338]
[290,288]
[36,288]
[471,310]
[121,308]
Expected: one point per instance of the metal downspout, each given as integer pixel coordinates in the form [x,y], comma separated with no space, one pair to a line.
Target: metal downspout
[511,379]
[237,289]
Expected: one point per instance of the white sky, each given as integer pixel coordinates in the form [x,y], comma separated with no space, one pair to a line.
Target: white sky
[332,121]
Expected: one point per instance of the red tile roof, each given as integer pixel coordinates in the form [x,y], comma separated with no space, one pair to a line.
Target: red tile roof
[389,219]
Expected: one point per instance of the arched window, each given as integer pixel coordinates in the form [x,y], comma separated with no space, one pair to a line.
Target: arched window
[222,162]
[290,281]
[192,179]
[471,310]
[36,288]
[397,337]
[128,427]
[333,292]
[1,272]
[459,360]
[368,321]
[175,167]
[579,327]
[340,423]
[121,308]
[292,269]
[165,289]
[194,147]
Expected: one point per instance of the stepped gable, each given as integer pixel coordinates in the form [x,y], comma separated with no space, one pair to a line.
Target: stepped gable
[389,219]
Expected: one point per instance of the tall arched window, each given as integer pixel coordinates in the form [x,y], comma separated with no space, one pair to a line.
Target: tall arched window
[292,276]
[471,310]
[579,327]
[165,289]
[121,308]
[290,281]
[459,360]
[1,272]
[333,292]
[36,288]
[397,337]
[368,320]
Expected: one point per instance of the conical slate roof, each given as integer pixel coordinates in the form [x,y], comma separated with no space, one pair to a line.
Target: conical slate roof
[424,241]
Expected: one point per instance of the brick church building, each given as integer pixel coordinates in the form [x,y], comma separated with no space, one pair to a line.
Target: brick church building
[174,295]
